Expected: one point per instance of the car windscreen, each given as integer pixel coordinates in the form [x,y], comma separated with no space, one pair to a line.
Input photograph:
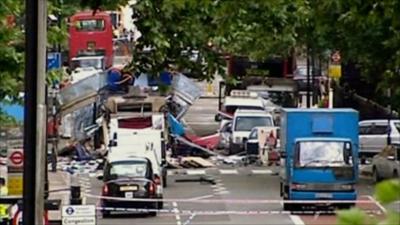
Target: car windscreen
[246,123]
[232,108]
[322,154]
[127,169]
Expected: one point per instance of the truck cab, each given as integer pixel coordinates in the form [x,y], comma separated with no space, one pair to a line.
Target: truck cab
[320,147]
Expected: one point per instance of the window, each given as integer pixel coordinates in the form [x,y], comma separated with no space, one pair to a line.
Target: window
[378,129]
[364,130]
[322,153]
[246,123]
[130,168]
[90,25]
[373,129]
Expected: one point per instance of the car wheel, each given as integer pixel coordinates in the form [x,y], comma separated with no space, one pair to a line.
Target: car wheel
[152,214]
[375,175]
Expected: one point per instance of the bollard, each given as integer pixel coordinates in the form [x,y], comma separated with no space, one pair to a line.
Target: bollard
[75,195]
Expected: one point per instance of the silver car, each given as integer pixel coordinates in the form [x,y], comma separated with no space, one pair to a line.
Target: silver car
[374,135]
[386,164]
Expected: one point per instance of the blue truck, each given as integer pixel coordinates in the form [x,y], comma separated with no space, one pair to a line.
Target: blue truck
[320,150]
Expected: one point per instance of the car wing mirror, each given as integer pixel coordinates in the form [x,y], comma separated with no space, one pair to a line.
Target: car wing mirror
[218,118]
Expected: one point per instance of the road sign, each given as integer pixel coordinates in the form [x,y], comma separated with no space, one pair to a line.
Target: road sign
[336,57]
[78,215]
[53,60]
[16,158]
[15,184]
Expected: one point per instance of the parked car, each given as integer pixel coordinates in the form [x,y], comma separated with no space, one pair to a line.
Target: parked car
[386,164]
[374,134]
[130,177]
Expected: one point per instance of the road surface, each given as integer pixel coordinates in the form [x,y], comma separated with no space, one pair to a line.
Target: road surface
[214,204]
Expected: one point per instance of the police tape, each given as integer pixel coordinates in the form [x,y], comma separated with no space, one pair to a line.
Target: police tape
[230,201]
[172,212]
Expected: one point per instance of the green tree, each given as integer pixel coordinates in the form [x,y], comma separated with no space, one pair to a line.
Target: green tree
[386,192]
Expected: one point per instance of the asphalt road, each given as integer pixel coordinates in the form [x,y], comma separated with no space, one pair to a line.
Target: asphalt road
[233,199]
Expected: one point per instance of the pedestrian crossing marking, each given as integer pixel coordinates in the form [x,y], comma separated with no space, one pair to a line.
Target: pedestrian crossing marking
[261,171]
[195,172]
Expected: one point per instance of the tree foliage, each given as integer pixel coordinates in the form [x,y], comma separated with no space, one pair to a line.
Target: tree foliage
[386,192]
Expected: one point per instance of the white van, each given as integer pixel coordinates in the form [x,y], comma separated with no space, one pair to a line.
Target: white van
[239,99]
[148,143]
[243,122]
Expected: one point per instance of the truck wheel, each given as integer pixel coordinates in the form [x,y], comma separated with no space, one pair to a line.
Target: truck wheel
[375,175]
[106,214]
[287,207]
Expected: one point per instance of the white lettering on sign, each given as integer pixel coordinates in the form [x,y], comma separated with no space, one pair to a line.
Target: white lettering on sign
[79,215]
[78,221]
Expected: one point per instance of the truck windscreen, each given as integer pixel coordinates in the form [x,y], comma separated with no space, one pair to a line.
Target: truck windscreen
[323,154]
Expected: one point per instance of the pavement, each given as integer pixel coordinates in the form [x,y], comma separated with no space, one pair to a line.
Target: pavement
[59,183]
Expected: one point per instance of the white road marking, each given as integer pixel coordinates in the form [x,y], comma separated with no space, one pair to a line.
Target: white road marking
[177,216]
[196,172]
[228,171]
[261,171]
[222,192]
[380,206]
[202,197]
[296,220]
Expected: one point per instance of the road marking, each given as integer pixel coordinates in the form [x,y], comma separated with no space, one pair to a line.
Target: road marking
[202,197]
[228,171]
[190,219]
[261,171]
[196,172]
[296,220]
[225,192]
[176,211]
[380,206]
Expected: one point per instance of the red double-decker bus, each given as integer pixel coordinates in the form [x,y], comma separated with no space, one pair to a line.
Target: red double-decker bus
[91,35]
